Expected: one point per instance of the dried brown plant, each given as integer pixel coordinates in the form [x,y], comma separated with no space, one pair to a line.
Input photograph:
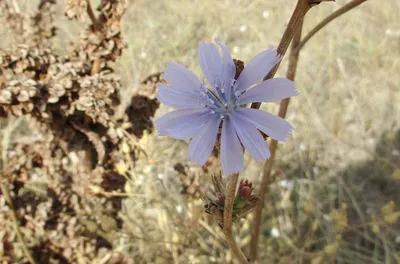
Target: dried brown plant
[69,102]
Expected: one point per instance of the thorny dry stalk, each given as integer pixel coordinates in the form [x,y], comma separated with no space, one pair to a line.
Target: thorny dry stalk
[228,210]
[293,59]
[347,7]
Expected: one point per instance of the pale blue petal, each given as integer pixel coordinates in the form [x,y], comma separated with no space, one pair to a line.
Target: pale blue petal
[174,118]
[272,125]
[203,142]
[173,97]
[231,149]
[190,127]
[250,137]
[210,63]
[271,90]
[181,78]
[228,70]
[256,69]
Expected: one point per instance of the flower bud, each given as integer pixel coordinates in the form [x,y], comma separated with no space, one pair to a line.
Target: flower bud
[245,190]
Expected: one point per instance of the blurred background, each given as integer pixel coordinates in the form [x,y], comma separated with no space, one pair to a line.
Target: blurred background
[336,195]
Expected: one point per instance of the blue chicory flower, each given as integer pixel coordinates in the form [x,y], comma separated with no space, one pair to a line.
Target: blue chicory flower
[201,110]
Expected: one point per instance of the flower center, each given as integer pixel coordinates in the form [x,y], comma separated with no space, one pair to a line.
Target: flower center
[220,100]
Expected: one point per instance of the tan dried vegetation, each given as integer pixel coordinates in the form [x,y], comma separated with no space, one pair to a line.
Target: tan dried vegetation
[89,181]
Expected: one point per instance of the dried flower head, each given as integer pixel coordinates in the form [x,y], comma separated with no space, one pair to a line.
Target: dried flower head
[201,110]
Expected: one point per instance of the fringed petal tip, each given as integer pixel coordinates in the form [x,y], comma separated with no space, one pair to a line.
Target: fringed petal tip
[162,77]
[234,169]
[160,132]
[296,91]
[158,128]
[287,135]
[158,89]
[278,56]
[180,77]
[229,173]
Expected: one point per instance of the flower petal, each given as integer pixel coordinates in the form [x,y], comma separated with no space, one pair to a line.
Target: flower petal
[173,97]
[272,125]
[231,150]
[271,90]
[174,118]
[210,63]
[228,70]
[181,78]
[250,137]
[256,69]
[203,142]
[190,127]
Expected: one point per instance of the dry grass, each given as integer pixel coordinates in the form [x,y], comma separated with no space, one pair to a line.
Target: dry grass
[344,150]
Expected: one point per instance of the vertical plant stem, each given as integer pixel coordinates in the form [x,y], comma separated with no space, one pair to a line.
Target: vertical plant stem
[7,197]
[228,209]
[266,179]
[12,125]
[96,25]
[91,15]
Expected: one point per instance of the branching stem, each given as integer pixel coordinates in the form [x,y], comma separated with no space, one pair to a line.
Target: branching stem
[328,19]
[294,23]
[299,12]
